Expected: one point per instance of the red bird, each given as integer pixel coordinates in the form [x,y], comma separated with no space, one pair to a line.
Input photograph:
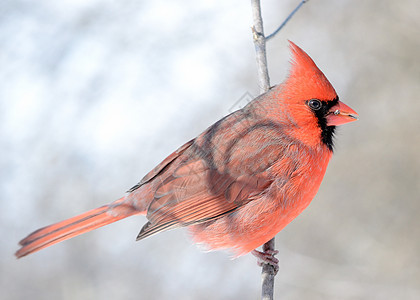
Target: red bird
[242,180]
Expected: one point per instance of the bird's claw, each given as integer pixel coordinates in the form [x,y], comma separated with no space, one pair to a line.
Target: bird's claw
[267,257]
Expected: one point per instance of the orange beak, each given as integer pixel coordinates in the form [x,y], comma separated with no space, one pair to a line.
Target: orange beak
[341,114]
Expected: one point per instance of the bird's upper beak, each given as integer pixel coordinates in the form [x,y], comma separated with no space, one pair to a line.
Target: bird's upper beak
[340,114]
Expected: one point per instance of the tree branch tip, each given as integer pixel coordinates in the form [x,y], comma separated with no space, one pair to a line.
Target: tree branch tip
[270,36]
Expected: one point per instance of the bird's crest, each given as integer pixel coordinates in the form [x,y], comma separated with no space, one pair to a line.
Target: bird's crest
[305,80]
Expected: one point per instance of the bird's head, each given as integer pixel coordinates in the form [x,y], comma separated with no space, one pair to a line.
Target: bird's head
[311,101]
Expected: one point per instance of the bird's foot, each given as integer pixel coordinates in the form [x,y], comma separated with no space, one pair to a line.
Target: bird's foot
[267,257]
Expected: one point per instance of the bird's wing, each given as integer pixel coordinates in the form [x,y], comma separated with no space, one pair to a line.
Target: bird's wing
[223,169]
[162,166]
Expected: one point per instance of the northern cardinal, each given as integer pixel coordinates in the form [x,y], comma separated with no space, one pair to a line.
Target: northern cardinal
[242,180]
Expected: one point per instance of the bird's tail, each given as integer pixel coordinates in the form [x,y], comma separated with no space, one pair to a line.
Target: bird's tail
[69,228]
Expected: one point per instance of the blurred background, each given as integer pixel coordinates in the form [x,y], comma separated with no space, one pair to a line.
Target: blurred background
[95,93]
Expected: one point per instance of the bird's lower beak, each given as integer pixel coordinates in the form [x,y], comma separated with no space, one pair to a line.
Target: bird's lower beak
[341,114]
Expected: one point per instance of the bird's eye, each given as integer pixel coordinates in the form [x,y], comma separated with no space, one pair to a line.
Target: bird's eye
[314,104]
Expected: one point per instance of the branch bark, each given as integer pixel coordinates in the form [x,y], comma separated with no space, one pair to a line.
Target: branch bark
[259,43]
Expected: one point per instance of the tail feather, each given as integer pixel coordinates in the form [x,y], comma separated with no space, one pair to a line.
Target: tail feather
[69,228]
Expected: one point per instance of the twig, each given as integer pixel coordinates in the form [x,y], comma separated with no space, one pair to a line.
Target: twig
[259,43]
[268,271]
[287,20]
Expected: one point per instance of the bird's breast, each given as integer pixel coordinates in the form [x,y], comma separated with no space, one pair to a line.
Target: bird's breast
[298,176]
[296,179]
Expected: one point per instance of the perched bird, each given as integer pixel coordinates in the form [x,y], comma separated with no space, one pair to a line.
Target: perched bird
[242,180]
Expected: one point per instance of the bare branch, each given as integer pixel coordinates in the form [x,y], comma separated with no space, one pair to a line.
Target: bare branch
[268,271]
[259,43]
[287,20]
